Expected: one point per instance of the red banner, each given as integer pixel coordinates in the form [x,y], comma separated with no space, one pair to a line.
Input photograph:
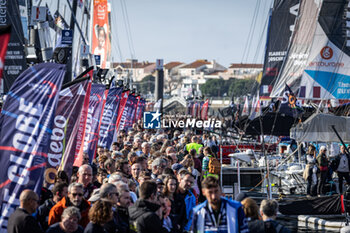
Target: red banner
[5,33]
[100,38]
[204,110]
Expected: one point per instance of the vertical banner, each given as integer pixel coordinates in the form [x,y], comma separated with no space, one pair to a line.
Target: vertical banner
[138,107]
[5,32]
[63,143]
[129,113]
[109,117]
[97,100]
[15,61]
[100,38]
[26,128]
[123,102]
[204,111]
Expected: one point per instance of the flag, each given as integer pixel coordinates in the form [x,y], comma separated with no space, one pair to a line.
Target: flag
[26,127]
[5,32]
[122,114]
[141,109]
[109,117]
[96,103]
[245,111]
[189,107]
[256,111]
[290,105]
[67,120]
[158,105]
[128,114]
[204,110]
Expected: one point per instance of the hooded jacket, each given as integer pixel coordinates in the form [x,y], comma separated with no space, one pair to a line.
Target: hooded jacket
[143,218]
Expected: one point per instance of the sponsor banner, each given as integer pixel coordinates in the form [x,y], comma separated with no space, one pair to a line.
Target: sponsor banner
[78,156]
[130,109]
[97,100]
[101,31]
[15,61]
[204,111]
[123,101]
[280,29]
[138,107]
[5,32]
[66,123]
[26,127]
[109,117]
[290,105]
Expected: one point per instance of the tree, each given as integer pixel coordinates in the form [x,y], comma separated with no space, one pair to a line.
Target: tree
[240,87]
[147,84]
[214,87]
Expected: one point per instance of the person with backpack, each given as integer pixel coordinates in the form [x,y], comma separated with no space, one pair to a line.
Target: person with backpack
[210,164]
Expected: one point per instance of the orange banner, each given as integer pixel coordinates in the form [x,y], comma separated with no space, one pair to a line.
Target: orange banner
[100,39]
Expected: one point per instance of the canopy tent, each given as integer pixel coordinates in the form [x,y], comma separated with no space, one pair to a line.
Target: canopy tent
[318,128]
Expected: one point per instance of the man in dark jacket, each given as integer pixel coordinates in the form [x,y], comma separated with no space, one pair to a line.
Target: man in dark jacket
[146,214]
[341,164]
[22,220]
[59,191]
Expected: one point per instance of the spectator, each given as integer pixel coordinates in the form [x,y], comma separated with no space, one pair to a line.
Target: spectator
[310,173]
[59,191]
[69,222]
[146,149]
[251,211]
[86,159]
[137,146]
[74,198]
[167,223]
[193,145]
[61,177]
[123,204]
[178,206]
[142,214]
[268,211]
[158,166]
[85,178]
[109,166]
[342,165]
[322,162]
[185,184]
[21,220]
[218,214]
[101,175]
[135,172]
[109,192]
[123,167]
[99,214]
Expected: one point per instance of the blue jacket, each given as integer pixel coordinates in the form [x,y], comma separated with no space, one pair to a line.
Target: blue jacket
[190,201]
[236,220]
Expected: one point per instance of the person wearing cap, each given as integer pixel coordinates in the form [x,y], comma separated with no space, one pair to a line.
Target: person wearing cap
[176,168]
[322,163]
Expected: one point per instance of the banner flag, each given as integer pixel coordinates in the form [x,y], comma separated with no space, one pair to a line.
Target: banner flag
[78,155]
[5,32]
[138,108]
[128,113]
[101,44]
[97,100]
[66,123]
[123,101]
[189,107]
[26,128]
[141,109]
[109,117]
[256,110]
[245,110]
[204,111]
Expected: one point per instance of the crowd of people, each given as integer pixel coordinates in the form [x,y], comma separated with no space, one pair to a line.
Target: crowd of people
[320,168]
[150,181]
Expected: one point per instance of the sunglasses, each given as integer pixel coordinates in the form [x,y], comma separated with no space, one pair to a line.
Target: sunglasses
[77,194]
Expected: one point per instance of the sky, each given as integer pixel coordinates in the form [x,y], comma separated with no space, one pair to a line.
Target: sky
[187,30]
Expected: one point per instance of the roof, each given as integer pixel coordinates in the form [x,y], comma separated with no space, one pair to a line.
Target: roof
[135,65]
[196,64]
[173,64]
[246,66]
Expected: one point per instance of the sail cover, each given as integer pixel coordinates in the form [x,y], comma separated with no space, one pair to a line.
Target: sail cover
[317,65]
[318,128]
[280,29]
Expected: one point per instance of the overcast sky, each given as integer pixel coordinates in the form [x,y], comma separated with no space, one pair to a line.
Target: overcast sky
[186,30]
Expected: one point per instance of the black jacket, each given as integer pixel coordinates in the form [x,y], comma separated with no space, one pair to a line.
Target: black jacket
[336,161]
[143,218]
[43,213]
[94,228]
[120,221]
[22,222]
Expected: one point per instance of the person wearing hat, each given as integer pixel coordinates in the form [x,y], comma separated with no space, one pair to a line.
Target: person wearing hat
[322,163]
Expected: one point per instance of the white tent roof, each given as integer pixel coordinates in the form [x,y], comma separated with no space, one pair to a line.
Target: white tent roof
[318,128]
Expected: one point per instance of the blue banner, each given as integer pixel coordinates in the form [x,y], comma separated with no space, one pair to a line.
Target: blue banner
[97,99]
[289,103]
[127,114]
[109,117]
[26,127]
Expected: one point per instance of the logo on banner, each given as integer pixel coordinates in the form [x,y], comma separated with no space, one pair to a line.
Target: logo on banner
[151,120]
[326,53]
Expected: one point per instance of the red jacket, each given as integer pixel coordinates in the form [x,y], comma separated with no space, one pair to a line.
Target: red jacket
[57,210]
